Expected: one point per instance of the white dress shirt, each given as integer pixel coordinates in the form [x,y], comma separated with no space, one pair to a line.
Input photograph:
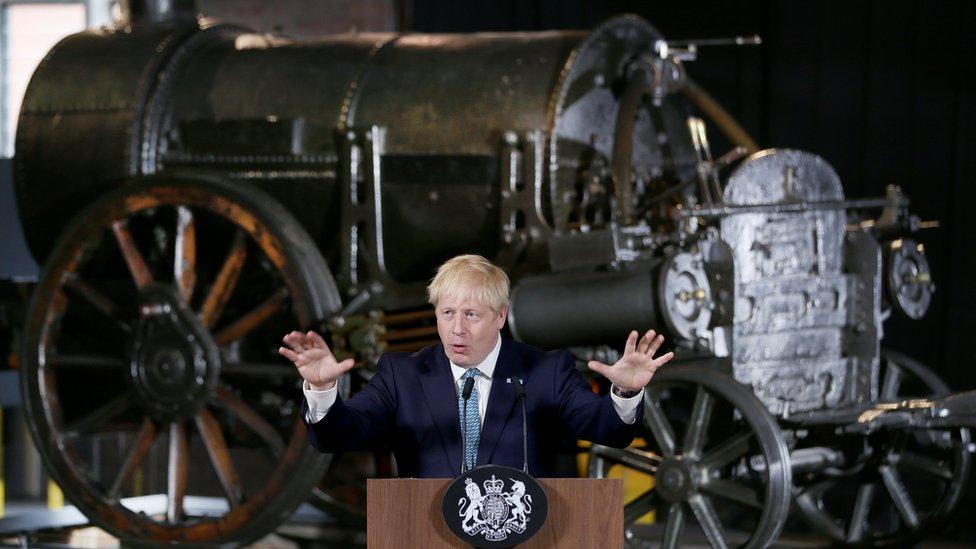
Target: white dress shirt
[319,402]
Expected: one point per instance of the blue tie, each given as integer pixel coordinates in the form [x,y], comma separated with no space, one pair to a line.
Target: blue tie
[470,420]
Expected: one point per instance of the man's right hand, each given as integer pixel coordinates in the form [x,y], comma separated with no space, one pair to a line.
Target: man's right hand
[314,360]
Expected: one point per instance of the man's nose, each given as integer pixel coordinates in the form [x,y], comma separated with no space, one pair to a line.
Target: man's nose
[457,327]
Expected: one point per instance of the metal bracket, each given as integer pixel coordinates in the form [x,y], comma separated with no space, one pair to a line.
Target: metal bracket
[362,217]
[523,223]
[362,273]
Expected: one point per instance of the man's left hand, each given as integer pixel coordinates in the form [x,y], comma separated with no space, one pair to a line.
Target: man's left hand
[637,366]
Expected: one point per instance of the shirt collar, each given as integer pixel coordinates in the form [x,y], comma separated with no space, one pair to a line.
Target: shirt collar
[487,366]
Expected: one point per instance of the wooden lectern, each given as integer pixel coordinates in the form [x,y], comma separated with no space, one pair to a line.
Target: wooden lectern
[583,512]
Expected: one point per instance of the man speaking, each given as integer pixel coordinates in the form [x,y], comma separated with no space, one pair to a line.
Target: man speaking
[414,404]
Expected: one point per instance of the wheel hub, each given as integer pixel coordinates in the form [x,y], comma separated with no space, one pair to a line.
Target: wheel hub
[676,480]
[174,362]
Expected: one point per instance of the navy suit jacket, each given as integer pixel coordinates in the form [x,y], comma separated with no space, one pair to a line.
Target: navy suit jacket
[410,407]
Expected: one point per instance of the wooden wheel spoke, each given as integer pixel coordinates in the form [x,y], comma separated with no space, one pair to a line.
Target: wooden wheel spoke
[926,465]
[178,468]
[140,447]
[859,516]
[891,382]
[660,426]
[727,452]
[674,526]
[100,301]
[213,440]
[701,414]
[230,271]
[899,495]
[230,401]
[708,520]
[86,361]
[130,252]
[252,319]
[733,491]
[98,417]
[640,506]
[185,261]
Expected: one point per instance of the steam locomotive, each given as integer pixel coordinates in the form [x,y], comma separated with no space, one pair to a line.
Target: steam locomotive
[235,185]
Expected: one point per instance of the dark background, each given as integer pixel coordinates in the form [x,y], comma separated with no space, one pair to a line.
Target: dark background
[883,90]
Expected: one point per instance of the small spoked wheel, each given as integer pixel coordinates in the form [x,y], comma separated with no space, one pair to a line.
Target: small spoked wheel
[150,365]
[896,485]
[729,472]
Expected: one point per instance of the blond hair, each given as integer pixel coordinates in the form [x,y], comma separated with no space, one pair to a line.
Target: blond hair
[470,276]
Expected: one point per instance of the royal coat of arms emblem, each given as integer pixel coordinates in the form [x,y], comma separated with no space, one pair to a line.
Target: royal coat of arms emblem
[492,506]
[496,513]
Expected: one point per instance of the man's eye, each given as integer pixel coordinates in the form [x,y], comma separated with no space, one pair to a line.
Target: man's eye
[472,315]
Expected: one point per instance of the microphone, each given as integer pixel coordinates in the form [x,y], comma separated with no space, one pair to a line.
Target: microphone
[465,395]
[520,394]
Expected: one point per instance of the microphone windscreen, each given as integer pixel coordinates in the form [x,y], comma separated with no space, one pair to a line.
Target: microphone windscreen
[468,387]
[519,390]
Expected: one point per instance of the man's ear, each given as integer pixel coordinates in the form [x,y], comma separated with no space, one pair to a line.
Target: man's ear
[502,316]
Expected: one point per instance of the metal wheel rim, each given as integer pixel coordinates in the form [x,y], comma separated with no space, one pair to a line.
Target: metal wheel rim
[763,428]
[842,528]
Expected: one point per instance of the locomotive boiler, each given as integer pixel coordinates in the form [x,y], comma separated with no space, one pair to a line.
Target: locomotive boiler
[233,186]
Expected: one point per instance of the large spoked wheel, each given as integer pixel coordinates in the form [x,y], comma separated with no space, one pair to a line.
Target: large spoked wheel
[899,485]
[729,471]
[150,364]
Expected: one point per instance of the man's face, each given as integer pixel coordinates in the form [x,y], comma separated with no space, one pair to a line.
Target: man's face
[468,328]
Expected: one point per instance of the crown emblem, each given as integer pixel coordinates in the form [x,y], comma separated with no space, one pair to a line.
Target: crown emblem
[493,485]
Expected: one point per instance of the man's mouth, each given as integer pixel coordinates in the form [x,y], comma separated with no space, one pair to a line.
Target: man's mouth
[458,348]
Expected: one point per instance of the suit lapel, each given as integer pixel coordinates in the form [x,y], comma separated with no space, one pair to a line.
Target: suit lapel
[437,384]
[501,400]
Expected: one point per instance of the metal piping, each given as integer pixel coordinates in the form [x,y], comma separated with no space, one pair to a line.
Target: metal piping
[641,84]
[157,11]
[717,114]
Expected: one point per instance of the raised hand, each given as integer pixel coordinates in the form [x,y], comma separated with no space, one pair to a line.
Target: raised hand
[637,366]
[314,359]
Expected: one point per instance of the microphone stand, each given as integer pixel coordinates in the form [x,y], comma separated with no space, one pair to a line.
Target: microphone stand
[520,394]
[465,395]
